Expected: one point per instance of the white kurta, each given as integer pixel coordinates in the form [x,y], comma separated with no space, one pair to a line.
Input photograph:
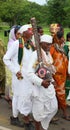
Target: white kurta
[44,99]
[22,89]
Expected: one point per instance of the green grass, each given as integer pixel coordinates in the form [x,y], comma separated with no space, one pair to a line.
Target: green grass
[66,30]
[46,31]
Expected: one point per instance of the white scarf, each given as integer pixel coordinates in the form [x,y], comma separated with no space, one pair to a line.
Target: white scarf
[48,60]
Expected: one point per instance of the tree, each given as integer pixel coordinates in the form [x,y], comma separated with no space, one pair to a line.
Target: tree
[11,9]
[67,10]
[20,11]
[56,12]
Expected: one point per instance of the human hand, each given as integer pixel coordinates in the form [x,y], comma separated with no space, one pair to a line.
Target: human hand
[54,83]
[19,75]
[45,83]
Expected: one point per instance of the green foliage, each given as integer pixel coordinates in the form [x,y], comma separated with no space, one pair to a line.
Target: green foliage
[59,12]
[56,11]
[46,31]
[67,10]
[20,12]
[11,9]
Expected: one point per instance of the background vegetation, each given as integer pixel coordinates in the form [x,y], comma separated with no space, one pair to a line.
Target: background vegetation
[20,12]
[14,12]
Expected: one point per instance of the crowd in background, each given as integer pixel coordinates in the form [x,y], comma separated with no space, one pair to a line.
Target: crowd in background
[29,93]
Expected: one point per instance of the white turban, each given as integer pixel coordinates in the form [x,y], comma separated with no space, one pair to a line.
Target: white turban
[46,38]
[24,28]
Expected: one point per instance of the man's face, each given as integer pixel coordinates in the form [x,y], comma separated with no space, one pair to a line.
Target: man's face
[45,46]
[28,34]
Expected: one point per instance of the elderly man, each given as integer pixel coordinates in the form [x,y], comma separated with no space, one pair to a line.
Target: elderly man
[17,59]
[44,98]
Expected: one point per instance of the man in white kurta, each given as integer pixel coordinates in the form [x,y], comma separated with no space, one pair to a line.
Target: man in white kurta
[21,88]
[44,105]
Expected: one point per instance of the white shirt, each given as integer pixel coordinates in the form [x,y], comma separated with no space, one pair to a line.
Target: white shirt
[11,60]
[39,91]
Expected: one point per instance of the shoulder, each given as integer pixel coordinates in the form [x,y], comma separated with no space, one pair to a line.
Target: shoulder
[15,44]
[13,48]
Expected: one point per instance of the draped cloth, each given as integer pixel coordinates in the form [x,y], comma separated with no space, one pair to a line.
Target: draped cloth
[60,63]
[67,85]
[44,102]
[20,51]
[69,63]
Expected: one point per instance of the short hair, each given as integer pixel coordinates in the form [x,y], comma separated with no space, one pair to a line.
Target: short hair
[38,28]
[60,34]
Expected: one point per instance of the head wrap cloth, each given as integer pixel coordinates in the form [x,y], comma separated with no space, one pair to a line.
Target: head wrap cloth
[46,38]
[24,28]
[12,32]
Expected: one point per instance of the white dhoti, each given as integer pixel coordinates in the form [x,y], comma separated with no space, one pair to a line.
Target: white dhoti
[44,111]
[22,98]
[22,104]
[25,105]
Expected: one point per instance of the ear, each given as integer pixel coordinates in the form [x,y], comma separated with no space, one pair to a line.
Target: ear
[24,33]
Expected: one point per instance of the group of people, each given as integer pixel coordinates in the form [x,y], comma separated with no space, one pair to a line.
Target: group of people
[33,93]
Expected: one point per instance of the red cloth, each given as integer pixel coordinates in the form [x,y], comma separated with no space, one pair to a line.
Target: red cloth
[60,63]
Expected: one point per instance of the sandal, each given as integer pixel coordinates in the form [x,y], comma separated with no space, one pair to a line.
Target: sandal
[54,120]
[66,118]
[29,126]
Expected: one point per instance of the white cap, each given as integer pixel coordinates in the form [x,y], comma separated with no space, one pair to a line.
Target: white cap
[46,38]
[24,28]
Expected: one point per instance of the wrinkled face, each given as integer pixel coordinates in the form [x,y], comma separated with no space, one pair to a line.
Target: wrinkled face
[28,34]
[45,46]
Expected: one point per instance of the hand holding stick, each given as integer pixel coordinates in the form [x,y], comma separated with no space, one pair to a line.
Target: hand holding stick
[19,74]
